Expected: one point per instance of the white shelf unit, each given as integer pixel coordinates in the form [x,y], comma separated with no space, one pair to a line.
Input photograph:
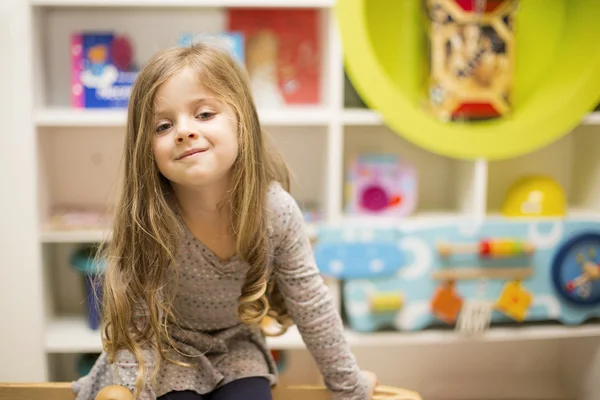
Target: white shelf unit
[78,155]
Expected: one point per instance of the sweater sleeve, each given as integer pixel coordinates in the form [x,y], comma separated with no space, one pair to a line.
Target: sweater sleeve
[309,301]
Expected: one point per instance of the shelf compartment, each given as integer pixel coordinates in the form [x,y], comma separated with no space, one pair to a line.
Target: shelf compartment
[140,25]
[573,161]
[445,186]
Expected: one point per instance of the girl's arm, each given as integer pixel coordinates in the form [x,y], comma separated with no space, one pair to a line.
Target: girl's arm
[309,302]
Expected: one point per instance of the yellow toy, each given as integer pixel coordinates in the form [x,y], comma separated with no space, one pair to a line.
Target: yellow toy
[535,196]
[514,301]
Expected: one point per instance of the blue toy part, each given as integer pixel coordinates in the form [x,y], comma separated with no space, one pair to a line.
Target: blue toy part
[359,260]
[554,262]
[356,254]
[567,267]
[84,261]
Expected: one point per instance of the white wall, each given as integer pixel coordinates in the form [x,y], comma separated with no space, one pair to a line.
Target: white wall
[21,347]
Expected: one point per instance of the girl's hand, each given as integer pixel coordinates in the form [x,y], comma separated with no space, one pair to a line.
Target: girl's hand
[371,382]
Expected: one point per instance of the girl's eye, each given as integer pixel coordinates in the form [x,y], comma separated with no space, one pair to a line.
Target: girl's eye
[162,127]
[205,115]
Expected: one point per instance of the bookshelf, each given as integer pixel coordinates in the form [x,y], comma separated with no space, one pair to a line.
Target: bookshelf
[77,155]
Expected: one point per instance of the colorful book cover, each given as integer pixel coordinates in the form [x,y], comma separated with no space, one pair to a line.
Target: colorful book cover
[283,54]
[103,70]
[230,41]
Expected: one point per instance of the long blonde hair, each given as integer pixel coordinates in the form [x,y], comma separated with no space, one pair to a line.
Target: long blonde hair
[138,288]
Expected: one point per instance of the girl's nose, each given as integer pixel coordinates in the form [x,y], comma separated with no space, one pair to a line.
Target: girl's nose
[190,135]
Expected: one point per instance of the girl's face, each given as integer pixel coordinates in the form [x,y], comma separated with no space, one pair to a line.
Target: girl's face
[195,134]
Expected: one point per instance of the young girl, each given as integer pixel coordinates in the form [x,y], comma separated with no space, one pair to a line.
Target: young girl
[207,242]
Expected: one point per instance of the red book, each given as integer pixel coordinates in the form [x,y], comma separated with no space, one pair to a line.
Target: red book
[283,54]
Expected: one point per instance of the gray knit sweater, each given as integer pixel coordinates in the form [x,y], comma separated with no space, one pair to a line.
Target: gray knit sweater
[212,338]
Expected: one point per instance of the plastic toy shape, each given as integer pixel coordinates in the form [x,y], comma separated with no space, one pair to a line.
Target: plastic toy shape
[380,184]
[576,270]
[446,303]
[514,301]
[535,196]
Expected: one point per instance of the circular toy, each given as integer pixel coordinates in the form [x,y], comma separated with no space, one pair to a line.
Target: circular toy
[576,270]
[556,75]
[535,196]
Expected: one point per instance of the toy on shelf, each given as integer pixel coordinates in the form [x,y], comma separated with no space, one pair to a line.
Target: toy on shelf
[381,184]
[471,57]
[102,70]
[233,42]
[488,248]
[84,260]
[576,270]
[70,217]
[446,302]
[283,55]
[535,196]
[514,300]
[505,270]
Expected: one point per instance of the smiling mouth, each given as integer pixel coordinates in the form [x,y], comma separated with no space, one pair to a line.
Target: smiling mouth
[190,153]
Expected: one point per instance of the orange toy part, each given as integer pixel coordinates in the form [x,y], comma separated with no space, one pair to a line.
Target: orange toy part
[446,303]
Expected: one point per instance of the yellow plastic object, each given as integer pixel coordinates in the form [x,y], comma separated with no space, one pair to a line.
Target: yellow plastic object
[535,196]
[386,302]
[557,74]
[514,301]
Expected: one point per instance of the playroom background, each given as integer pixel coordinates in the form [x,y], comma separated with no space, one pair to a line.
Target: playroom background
[446,155]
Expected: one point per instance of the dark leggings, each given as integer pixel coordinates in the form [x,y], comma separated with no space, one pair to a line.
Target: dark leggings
[255,388]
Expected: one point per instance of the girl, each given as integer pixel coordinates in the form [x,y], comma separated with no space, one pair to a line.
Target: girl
[206,243]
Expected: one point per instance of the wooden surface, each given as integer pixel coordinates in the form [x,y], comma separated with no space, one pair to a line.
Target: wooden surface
[62,391]
[36,391]
[457,274]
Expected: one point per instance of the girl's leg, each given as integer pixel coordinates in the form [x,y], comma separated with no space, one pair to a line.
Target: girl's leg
[254,388]
[182,395]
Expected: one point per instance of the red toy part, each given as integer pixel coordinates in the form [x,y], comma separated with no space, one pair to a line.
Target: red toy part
[471,5]
[475,111]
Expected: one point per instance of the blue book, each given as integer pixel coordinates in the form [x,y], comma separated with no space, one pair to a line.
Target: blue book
[102,70]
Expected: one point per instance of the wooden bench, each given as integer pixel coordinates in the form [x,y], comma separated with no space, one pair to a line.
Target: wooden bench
[62,391]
